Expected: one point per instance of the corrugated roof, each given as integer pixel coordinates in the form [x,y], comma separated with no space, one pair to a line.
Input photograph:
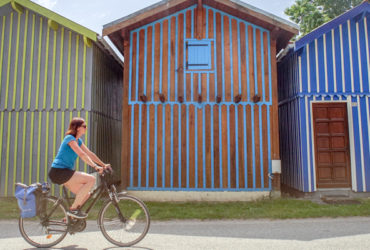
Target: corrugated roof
[361,9]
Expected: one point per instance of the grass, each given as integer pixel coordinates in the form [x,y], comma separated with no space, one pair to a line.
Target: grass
[284,208]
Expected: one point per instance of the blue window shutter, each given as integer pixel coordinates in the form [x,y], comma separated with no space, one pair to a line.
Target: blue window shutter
[199,55]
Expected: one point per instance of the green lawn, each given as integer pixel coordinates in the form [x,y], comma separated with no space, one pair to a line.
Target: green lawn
[283,208]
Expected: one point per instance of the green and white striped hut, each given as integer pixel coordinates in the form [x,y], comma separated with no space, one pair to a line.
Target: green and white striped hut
[52,69]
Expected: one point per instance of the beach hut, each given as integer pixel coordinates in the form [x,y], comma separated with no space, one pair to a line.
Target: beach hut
[324,90]
[52,69]
[200,114]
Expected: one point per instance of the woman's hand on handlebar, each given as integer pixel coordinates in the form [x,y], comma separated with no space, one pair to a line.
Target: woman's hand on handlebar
[99,169]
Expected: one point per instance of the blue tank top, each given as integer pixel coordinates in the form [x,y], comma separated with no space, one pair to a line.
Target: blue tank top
[66,157]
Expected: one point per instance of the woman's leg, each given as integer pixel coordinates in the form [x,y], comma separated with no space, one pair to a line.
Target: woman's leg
[80,184]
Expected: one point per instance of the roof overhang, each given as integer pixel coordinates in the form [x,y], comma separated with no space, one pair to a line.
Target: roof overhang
[18,5]
[280,29]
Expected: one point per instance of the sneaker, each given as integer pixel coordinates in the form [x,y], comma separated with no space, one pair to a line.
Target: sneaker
[78,214]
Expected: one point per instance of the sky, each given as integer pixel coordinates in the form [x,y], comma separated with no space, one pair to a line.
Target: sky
[93,14]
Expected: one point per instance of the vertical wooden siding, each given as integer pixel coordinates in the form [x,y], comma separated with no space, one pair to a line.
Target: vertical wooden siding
[205,145]
[44,82]
[333,67]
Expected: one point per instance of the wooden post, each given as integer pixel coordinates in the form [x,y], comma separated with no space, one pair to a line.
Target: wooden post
[125,159]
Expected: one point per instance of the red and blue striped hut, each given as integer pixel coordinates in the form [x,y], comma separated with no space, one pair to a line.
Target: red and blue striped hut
[200,98]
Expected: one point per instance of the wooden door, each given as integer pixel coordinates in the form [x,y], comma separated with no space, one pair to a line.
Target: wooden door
[333,168]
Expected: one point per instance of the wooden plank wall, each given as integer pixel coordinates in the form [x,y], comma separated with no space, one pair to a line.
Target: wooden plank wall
[188,140]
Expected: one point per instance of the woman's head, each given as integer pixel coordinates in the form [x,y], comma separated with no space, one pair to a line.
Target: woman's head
[76,125]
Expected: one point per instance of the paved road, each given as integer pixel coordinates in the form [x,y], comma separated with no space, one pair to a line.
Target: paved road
[341,233]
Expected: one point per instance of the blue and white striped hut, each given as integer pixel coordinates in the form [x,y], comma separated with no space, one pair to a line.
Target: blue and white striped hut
[324,112]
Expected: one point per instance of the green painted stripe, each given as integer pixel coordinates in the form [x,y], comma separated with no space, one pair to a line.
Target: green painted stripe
[1,139]
[61,68]
[39,147]
[9,57]
[31,147]
[16,63]
[78,161]
[68,68]
[53,73]
[39,66]
[55,17]
[24,59]
[86,137]
[31,62]
[83,77]
[23,144]
[7,154]
[15,157]
[46,147]
[46,67]
[76,73]
[2,51]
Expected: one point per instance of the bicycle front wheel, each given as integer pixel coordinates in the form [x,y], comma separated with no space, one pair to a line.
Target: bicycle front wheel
[47,229]
[124,223]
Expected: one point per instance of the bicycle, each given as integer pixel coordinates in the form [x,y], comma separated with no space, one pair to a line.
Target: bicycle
[124,220]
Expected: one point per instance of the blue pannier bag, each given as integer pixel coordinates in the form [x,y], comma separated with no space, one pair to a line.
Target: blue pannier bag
[26,199]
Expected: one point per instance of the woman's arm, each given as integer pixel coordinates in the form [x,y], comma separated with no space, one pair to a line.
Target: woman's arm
[84,156]
[93,156]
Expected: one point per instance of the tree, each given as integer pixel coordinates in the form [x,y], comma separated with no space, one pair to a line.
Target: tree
[310,14]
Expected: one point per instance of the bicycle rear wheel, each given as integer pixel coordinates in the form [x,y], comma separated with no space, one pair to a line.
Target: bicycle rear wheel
[41,232]
[124,223]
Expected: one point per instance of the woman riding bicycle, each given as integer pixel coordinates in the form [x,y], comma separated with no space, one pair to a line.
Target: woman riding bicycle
[62,169]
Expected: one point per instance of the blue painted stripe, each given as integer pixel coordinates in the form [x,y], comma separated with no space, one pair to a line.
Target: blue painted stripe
[180,146]
[355,65]
[187,146]
[320,59]
[164,145]
[245,148]
[329,58]
[169,62]
[153,45]
[269,144]
[247,59]
[263,68]
[231,60]
[239,70]
[207,87]
[161,59]
[176,56]
[236,147]
[145,59]
[215,55]
[191,87]
[223,57]
[130,73]
[156,146]
[132,148]
[212,151]
[228,147]
[269,63]
[204,146]
[338,60]
[220,141]
[137,66]
[261,144]
[196,146]
[253,148]
[147,144]
[139,149]
[255,61]
[172,135]
[346,58]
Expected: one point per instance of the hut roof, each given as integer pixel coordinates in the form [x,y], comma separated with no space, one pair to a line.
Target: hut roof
[357,12]
[281,29]
[18,5]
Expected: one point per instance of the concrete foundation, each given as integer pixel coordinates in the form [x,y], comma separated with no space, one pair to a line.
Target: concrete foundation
[181,196]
